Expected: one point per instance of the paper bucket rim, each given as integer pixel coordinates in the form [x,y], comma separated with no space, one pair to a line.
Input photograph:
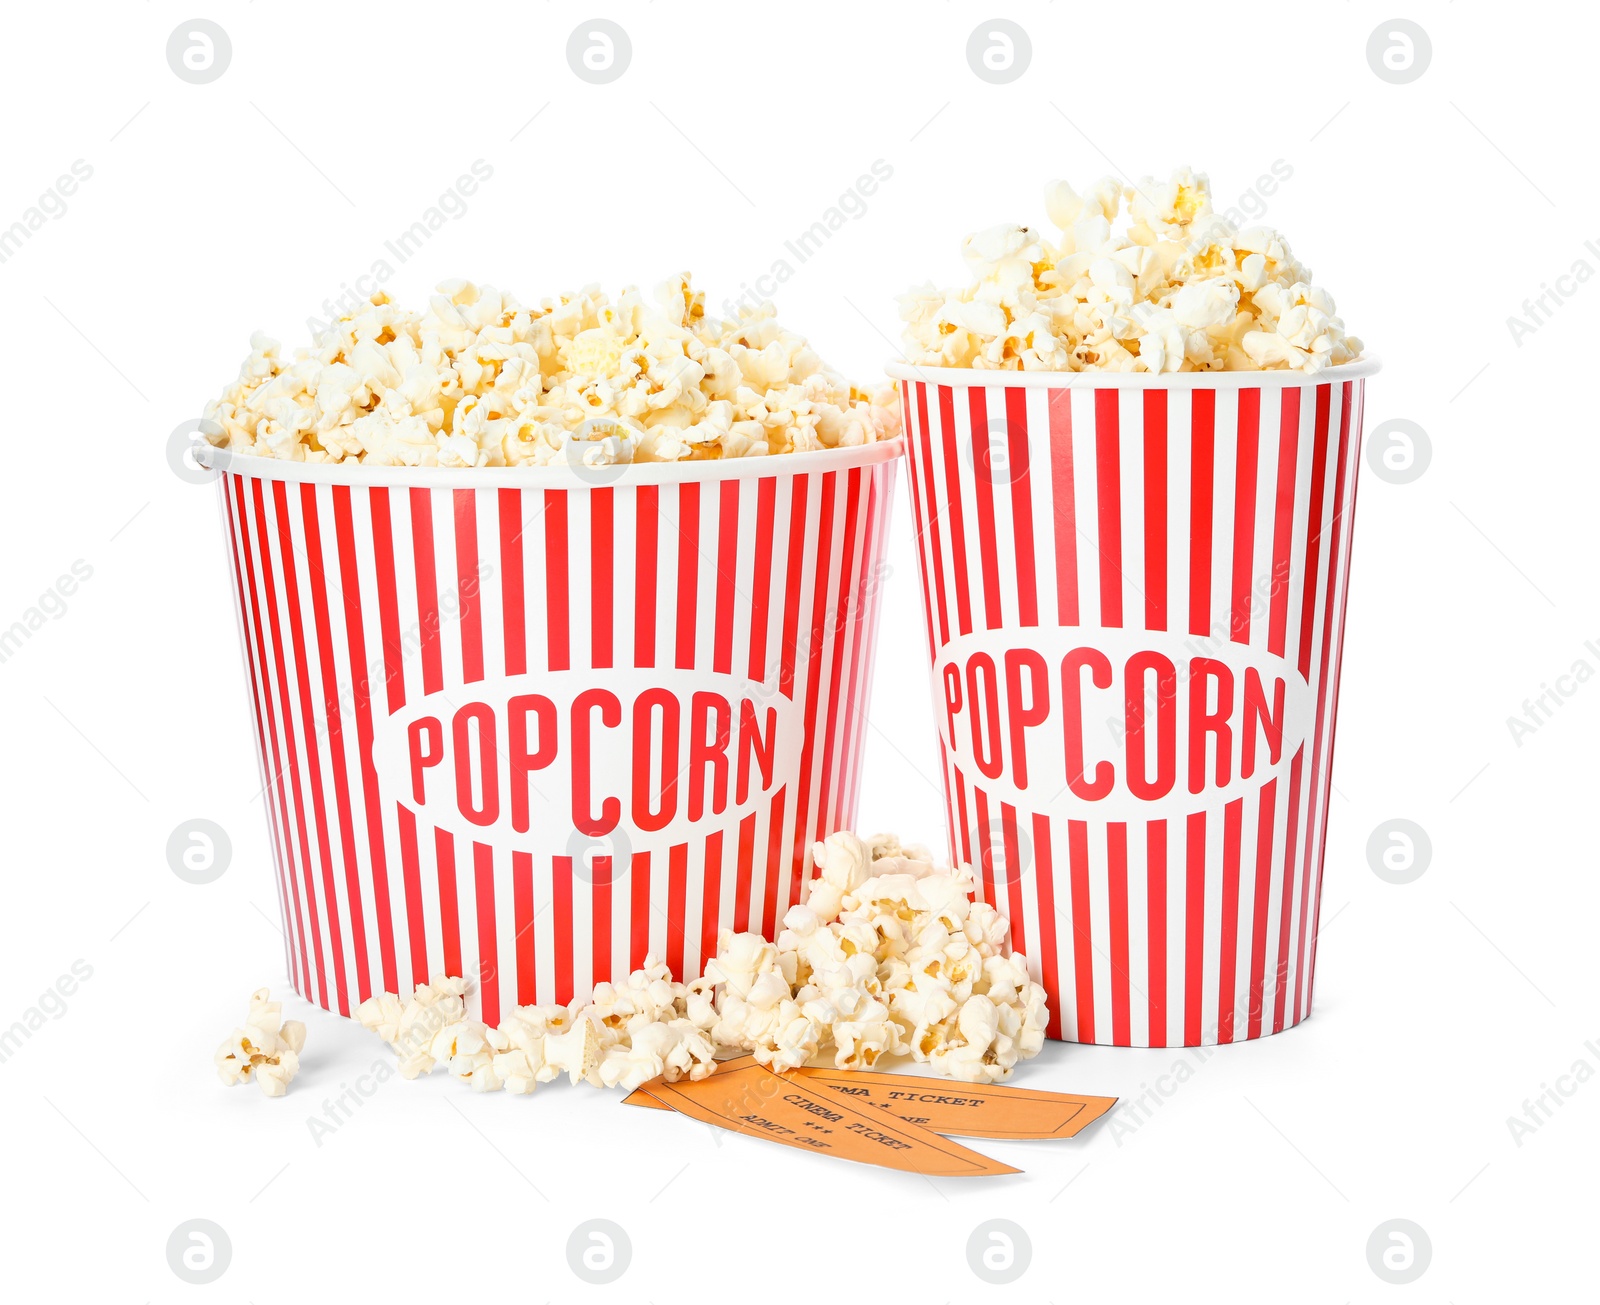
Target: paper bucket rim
[555,476]
[973,377]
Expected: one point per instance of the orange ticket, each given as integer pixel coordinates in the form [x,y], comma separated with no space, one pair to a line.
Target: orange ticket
[957,1109]
[794,1111]
[968,1109]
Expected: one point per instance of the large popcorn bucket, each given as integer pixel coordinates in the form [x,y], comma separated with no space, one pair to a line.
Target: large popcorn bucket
[1135,591]
[528,725]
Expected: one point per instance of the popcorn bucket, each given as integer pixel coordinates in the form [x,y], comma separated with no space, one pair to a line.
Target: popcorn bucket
[1134,591]
[529,724]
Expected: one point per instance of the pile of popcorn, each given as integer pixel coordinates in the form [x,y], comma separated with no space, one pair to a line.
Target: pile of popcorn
[478,380]
[267,1049]
[887,956]
[1178,288]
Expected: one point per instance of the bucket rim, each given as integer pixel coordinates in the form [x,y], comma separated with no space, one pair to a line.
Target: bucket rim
[554,476]
[1283,379]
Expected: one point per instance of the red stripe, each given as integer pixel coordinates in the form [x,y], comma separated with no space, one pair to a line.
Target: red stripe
[395,696]
[761,590]
[1156,896]
[949,805]
[513,619]
[1246,472]
[1194,911]
[1285,916]
[355,637]
[1228,957]
[468,599]
[832,745]
[861,622]
[427,590]
[602,596]
[1283,519]
[1014,885]
[1108,487]
[411,876]
[1017,459]
[919,516]
[1045,890]
[488,943]
[444,851]
[1155,510]
[1258,933]
[1313,560]
[775,842]
[1319,472]
[639,910]
[823,548]
[688,571]
[983,497]
[600,920]
[1328,685]
[711,898]
[313,755]
[964,851]
[522,906]
[561,917]
[742,873]
[1063,491]
[727,569]
[266,729]
[394,668]
[677,893]
[1082,929]
[980,801]
[1121,1002]
[930,523]
[799,491]
[1202,464]
[307,880]
[644,594]
[952,506]
[556,586]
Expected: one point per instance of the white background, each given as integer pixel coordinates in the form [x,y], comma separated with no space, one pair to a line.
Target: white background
[1431,211]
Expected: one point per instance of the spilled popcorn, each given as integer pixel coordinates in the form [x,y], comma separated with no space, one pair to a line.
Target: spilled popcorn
[1178,288]
[888,955]
[267,1049]
[478,380]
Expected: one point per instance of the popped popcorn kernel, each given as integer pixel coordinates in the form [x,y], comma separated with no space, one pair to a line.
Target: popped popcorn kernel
[266,1049]
[887,955]
[478,380]
[1179,288]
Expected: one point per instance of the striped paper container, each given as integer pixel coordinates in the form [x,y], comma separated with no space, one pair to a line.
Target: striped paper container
[530,724]
[1135,591]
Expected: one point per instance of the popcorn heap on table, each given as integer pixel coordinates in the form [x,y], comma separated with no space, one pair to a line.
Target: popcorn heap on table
[1178,289]
[267,1049]
[478,380]
[888,955]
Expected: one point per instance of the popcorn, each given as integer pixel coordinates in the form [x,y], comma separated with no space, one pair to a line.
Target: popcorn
[478,380]
[267,1049]
[888,955]
[1179,289]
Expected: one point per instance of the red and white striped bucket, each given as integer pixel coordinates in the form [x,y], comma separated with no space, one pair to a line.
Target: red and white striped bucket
[530,724]
[1135,591]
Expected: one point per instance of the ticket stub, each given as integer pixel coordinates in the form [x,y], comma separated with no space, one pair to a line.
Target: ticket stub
[794,1111]
[954,1109]
[968,1109]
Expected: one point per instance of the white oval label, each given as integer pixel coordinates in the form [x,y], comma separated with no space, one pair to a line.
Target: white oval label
[648,758]
[1117,724]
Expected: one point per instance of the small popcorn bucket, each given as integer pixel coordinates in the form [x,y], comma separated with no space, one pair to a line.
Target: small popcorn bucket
[1134,591]
[529,724]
